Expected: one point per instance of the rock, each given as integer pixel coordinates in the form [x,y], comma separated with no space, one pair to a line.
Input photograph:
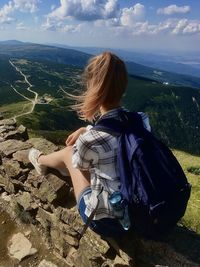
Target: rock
[12,168]
[34,180]
[2,139]
[53,189]
[20,247]
[25,200]
[7,127]
[46,218]
[45,263]
[9,147]
[43,145]
[6,184]
[19,134]
[6,197]
[22,156]
[9,122]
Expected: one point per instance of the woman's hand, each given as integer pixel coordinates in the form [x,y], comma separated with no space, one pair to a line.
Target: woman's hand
[71,139]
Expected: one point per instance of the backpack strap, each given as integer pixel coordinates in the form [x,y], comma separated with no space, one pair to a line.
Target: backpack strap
[124,123]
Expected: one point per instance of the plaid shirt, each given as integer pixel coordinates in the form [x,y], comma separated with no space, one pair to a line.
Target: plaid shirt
[96,151]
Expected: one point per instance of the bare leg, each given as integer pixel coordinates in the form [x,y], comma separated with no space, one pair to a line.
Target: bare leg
[54,160]
[63,159]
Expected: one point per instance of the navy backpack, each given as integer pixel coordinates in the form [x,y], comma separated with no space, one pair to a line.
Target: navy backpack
[153,184]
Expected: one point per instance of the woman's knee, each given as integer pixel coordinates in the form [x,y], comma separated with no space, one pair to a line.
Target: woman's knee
[67,155]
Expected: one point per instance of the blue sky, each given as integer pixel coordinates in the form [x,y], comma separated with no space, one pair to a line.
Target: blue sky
[138,25]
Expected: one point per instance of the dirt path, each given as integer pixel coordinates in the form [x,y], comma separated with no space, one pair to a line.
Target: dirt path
[33,101]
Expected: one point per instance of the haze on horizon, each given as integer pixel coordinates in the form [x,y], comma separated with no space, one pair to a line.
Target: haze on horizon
[126,24]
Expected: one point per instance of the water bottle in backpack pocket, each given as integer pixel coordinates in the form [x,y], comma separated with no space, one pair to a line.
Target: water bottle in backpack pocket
[120,209]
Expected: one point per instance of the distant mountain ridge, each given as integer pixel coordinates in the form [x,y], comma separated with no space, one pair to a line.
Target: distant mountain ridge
[74,57]
[163,61]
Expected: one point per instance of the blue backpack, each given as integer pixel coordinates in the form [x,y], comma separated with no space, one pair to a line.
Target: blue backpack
[153,184]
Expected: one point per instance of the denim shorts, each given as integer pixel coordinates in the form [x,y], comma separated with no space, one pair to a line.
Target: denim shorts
[106,227]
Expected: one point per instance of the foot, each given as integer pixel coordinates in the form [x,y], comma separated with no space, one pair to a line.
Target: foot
[33,156]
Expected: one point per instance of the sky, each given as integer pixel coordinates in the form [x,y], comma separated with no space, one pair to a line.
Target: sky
[149,25]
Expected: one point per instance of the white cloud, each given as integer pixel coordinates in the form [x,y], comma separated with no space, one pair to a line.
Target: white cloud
[192,28]
[20,26]
[185,27]
[85,10]
[17,5]
[26,6]
[173,9]
[53,7]
[5,13]
[50,25]
[130,15]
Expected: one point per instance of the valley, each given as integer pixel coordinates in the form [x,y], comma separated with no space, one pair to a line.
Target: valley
[34,79]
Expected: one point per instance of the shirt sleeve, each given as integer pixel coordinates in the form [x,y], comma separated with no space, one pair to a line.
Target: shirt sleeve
[145,120]
[84,155]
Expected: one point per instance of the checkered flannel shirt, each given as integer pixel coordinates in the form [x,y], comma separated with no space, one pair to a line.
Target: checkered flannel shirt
[96,151]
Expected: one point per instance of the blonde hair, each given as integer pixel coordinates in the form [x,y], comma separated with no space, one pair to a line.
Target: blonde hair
[105,81]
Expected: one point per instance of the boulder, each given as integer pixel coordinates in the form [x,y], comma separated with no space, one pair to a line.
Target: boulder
[9,122]
[25,200]
[22,156]
[43,145]
[9,147]
[19,134]
[20,247]
[53,189]
[45,263]
[6,184]
[12,168]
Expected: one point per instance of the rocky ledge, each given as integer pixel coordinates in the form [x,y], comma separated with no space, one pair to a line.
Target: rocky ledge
[47,202]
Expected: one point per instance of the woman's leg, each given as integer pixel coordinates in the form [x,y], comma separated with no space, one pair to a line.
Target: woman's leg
[54,160]
[63,159]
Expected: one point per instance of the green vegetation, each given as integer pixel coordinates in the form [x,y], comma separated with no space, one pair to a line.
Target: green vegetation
[15,108]
[191,218]
[173,110]
[194,169]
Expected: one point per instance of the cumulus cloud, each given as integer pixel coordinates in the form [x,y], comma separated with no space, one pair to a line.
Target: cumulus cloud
[85,10]
[5,13]
[173,9]
[17,5]
[20,26]
[26,6]
[50,25]
[186,26]
[130,15]
[170,26]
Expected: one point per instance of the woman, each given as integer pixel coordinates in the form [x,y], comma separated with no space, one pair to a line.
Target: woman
[90,155]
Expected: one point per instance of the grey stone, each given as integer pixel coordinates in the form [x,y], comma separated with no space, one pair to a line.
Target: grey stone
[53,189]
[22,156]
[43,145]
[8,127]
[12,168]
[6,184]
[46,218]
[20,247]
[25,200]
[19,134]
[9,122]
[9,147]
[45,263]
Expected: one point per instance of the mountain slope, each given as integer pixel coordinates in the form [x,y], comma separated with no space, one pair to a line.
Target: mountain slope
[77,58]
[174,110]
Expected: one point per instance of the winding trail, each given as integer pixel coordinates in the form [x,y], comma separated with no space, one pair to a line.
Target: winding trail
[33,101]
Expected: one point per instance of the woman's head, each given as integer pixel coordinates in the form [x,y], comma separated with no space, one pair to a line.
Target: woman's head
[105,81]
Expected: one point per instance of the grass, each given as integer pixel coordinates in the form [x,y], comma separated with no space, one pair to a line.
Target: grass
[191,218]
[10,110]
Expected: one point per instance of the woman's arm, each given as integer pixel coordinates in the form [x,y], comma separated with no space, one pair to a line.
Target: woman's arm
[71,139]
